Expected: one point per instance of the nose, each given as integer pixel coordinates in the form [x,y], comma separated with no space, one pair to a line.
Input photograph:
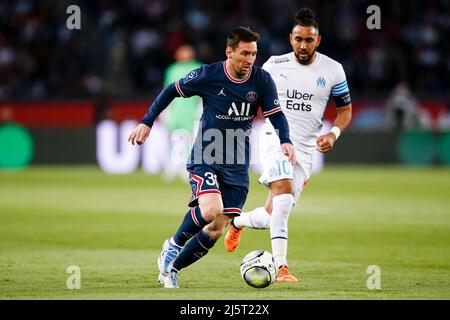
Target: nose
[303,45]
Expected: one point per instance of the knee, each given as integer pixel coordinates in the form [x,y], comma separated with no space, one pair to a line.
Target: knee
[211,210]
[281,187]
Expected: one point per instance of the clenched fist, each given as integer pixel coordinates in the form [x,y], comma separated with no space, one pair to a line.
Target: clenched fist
[325,143]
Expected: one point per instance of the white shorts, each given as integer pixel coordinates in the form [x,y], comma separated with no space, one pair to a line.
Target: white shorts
[276,165]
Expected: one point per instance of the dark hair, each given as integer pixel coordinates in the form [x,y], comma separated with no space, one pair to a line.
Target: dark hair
[305,18]
[241,34]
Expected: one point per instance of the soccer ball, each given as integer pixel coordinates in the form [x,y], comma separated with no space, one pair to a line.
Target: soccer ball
[258,269]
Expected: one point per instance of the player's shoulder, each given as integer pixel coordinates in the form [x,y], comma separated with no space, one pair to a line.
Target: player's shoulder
[260,75]
[280,59]
[329,63]
[203,71]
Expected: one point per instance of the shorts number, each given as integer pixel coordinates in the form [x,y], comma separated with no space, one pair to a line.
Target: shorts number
[212,179]
[281,165]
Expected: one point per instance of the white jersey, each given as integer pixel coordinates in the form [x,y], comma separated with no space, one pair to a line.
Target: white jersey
[304,91]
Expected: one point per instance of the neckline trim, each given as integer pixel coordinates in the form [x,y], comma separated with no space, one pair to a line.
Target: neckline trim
[234,80]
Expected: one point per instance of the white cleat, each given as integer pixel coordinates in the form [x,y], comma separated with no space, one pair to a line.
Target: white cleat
[171,280]
[168,253]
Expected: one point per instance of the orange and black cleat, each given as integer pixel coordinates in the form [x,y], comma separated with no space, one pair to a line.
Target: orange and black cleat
[232,238]
[283,275]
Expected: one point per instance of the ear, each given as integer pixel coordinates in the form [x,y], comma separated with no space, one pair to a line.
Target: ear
[319,38]
[290,38]
[228,52]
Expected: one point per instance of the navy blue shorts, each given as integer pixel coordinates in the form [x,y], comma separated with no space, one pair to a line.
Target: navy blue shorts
[230,184]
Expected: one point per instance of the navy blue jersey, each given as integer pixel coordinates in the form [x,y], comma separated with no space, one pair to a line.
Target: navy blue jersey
[229,107]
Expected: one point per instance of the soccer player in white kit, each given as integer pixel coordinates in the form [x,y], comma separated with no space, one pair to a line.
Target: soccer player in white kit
[305,79]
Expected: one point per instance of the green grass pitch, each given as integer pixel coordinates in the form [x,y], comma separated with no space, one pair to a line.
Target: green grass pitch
[112,227]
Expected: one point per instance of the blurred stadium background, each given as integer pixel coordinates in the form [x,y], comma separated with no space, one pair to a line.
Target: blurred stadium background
[58,82]
[68,99]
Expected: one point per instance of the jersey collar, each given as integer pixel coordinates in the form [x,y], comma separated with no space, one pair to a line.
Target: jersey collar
[234,80]
[316,61]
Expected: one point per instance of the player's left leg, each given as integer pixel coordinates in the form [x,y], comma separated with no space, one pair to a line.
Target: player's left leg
[206,204]
[283,205]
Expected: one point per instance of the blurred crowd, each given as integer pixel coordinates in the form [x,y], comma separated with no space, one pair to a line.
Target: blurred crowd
[124,47]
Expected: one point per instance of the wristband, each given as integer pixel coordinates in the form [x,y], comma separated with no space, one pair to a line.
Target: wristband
[336,131]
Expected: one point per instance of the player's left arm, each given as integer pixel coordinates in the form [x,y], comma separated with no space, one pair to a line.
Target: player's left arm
[341,96]
[343,118]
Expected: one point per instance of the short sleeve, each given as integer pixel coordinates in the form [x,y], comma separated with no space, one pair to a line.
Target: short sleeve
[268,65]
[270,103]
[340,90]
[192,83]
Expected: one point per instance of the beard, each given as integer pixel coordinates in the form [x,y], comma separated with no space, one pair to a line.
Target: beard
[306,60]
[242,73]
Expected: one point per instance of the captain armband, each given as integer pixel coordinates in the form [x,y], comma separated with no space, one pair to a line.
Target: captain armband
[342,99]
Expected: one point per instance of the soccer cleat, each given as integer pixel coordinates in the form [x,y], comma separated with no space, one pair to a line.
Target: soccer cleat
[168,253]
[283,275]
[171,280]
[232,238]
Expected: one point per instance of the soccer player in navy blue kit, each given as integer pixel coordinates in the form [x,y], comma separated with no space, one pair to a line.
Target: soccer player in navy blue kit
[232,91]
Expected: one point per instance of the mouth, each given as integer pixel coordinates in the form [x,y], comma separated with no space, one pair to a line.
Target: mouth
[303,54]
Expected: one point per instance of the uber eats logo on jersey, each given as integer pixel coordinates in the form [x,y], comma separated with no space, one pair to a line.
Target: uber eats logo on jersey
[298,102]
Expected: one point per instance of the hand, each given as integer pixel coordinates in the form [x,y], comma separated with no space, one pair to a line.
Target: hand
[325,143]
[139,134]
[288,150]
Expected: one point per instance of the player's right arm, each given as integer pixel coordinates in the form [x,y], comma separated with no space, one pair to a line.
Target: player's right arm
[185,87]
[142,131]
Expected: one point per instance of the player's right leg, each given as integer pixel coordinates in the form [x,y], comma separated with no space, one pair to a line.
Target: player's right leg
[211,205]
[277,175]
[206,205]
[258,218]
[283,202]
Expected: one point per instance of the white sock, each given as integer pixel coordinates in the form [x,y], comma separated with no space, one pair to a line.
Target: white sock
[258,218]
[282,206]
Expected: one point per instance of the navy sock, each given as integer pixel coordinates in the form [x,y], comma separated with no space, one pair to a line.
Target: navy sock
[192,223]
[194,250]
